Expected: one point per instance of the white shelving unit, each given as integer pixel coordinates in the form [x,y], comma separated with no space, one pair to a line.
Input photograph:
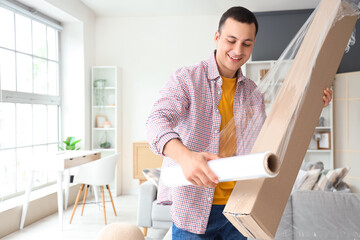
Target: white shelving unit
[105,107]
[325,155]
[252,70]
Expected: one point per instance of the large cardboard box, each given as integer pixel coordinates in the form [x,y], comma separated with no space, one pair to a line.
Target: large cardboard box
[256,206]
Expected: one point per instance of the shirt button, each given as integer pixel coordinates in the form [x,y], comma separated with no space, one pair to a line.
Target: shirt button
[216,131]
[219,92]
[217,110]
[209,198]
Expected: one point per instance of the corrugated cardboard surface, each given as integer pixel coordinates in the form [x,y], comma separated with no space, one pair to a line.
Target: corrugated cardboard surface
[256,206]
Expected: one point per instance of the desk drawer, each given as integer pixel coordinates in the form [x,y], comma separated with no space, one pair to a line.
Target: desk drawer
[76,161]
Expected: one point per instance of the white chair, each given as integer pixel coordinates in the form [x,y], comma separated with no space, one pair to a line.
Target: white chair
[98,173]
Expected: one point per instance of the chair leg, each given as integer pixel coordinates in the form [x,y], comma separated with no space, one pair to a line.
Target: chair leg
[103,201]
[84,200]
[95,188]
[112,202]
[144,230]
[77,201]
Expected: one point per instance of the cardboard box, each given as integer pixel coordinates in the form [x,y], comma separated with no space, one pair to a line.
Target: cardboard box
[256,206]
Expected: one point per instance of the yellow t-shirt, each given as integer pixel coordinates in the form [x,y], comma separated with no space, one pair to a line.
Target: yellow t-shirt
[224,189]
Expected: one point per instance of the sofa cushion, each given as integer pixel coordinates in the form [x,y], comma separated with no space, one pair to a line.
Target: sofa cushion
[330,179]
[325,215]
[300,178]
[285,229]
[310,166]
[311,178]
[161,212]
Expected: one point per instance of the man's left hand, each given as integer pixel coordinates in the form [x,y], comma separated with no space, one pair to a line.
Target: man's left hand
[327,97]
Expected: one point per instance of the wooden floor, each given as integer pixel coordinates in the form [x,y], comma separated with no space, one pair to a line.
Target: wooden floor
[86,226]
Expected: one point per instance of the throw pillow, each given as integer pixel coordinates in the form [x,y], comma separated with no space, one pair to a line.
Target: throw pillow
[299,179]
[343,187]
[311,178]
[330,179]
[152,175]
[310,166]
[317,165]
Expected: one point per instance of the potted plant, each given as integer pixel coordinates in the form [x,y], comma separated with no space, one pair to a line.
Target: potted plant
[106,144]
[70,143]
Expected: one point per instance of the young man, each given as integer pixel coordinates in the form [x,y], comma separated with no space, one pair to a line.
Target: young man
[184,126]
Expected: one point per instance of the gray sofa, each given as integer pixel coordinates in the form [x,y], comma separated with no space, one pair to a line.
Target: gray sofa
[321,216]
[150,214]
[308,215]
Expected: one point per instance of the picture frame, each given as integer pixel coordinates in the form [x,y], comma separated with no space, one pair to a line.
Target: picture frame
[263,72]
[325,141]
[100,121]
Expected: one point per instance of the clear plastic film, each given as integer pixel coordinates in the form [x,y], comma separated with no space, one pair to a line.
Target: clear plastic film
[238,139]
[292,87]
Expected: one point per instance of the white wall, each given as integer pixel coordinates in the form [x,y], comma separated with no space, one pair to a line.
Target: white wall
[147,50]
[77,55]
[73,95]
[346,126]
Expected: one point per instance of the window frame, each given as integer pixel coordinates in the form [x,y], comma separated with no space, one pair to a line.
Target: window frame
[15,97]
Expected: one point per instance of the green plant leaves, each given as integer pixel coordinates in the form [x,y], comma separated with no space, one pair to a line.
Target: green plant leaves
[70,143]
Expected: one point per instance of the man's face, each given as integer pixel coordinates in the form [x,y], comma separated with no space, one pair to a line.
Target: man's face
[234,46]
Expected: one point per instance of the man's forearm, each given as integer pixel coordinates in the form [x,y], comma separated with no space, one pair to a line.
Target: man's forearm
[175,150]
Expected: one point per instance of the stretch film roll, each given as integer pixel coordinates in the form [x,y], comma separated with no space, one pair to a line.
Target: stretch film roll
[258,165]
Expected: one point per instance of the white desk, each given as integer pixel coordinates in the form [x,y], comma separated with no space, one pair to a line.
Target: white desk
[58,162]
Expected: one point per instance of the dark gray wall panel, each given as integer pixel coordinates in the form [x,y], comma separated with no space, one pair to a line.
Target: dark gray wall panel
[277,29]
[351,60]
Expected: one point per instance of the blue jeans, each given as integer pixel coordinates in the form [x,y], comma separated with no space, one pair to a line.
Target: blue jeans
[218,228]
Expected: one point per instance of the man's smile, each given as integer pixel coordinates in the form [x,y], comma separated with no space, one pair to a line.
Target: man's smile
[235,59]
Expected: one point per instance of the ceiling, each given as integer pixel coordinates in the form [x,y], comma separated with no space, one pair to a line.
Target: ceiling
[150,8]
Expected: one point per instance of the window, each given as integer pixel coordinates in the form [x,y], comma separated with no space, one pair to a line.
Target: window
[29,94]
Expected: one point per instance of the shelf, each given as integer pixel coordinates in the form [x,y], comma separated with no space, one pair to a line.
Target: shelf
[104,129]
[104,106]
[319,151]
[253,70]
[323,128]
[105,149]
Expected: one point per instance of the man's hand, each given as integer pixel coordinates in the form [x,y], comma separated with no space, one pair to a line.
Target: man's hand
[194,164]
[197,171]
[327,97]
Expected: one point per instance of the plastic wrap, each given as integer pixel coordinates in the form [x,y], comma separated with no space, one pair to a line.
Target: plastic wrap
[269,86]
[258,165]
[288,85]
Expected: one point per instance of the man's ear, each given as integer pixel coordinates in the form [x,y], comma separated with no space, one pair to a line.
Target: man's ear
[217,36]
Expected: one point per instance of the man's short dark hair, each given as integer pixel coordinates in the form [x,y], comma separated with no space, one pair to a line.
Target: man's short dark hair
[239,14]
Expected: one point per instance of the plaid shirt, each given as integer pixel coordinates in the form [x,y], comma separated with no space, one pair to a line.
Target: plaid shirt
[188,110]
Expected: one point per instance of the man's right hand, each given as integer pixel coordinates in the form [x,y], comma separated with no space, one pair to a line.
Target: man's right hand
[194,164]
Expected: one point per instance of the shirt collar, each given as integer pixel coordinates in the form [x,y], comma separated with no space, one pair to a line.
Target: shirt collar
[213,71]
